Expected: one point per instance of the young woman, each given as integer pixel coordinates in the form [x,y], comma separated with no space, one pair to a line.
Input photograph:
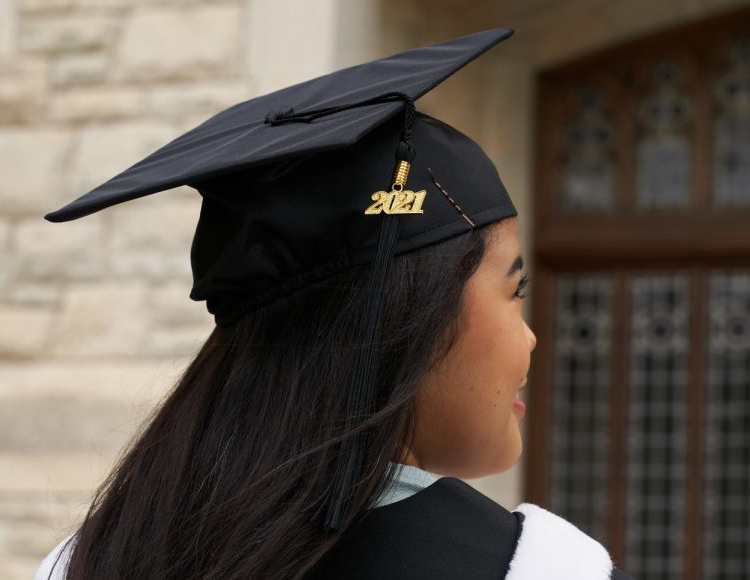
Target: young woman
[362,363]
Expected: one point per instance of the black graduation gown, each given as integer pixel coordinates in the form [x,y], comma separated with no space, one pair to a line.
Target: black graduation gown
[449,530]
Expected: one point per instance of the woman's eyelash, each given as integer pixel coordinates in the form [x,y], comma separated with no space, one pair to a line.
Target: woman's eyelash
[521,285]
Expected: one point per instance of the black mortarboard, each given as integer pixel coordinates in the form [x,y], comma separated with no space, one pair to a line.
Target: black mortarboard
[299,185]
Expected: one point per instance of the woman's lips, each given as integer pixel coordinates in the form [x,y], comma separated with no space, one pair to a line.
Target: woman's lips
[518,404]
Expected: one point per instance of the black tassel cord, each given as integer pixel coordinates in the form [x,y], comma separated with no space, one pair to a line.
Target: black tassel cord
[349,463]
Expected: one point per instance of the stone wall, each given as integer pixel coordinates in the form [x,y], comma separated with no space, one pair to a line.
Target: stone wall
[95,319]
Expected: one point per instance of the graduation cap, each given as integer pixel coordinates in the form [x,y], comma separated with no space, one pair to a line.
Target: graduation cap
[314,179]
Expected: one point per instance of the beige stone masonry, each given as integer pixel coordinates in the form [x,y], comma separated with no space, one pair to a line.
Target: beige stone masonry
[79,69]
[103,318]
[61,32]
[134,381]
[24,330]
[58,253]
[42,293]
[150,238]
[96,103]
[33,165]
[23,88]
[199,98]
[193,42]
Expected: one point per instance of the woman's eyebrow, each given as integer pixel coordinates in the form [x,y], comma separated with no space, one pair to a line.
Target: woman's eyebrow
[515,266]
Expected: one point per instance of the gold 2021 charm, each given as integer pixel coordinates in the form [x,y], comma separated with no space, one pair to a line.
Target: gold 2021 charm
[398,200]
[404,201]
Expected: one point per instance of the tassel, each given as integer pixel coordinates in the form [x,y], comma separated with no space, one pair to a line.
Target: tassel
[349,464]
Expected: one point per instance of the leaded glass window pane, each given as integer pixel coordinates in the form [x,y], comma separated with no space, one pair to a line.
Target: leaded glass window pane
[663,149]
[580,400]
[656,426]
[587,176]
[727,443]
[732,130]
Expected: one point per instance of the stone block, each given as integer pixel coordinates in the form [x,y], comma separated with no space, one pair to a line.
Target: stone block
[16,568]
[68,250]
[184,340]
[24,331]
[184,192]
[23,88]
[32,523]
[52,472]
[104,150]
[8,27]
[100,319]
[30,292]
[98,4]
[151,236]
[48,511]
[186,42]
[277,56]
[67,31]
[169,304]
[8,274]
[79,69]
[25,540]
[95,104]
[136,382]
[39,5]
[32,165]
[188,99]
[5,232]
[65,424]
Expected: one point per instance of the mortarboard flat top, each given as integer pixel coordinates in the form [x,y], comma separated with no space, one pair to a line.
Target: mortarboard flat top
[238,138]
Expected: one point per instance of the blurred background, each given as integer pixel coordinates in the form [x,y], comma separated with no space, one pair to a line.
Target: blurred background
[621,130]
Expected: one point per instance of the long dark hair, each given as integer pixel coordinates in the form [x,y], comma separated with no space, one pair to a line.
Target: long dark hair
[228,476]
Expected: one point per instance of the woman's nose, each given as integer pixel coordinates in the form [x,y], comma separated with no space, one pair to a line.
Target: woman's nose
[532,337]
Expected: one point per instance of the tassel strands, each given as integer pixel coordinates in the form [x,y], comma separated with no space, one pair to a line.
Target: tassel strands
[359,406]
[349,465]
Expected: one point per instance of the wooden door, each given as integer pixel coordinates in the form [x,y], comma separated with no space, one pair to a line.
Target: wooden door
[639,423]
